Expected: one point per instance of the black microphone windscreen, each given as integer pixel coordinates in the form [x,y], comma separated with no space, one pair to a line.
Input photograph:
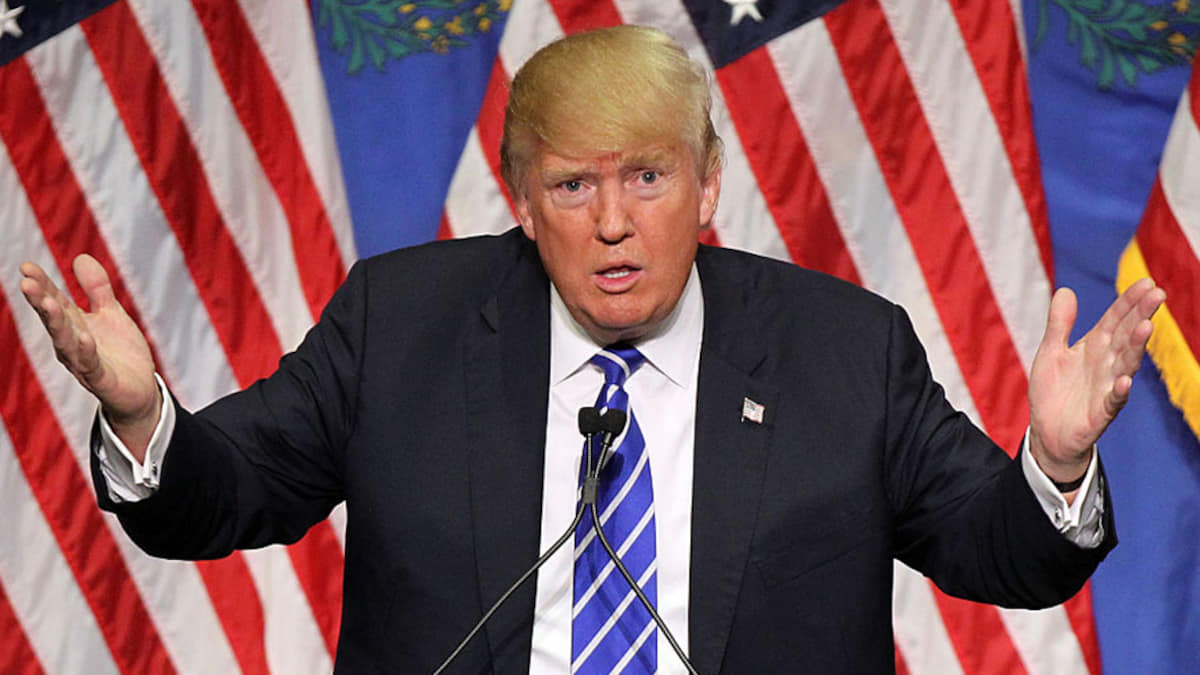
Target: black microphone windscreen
[589,421]
[613,421]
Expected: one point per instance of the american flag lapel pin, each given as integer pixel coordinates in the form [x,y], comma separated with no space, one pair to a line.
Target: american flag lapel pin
[752,411]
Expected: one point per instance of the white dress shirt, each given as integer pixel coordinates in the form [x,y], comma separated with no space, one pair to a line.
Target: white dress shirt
[663,392]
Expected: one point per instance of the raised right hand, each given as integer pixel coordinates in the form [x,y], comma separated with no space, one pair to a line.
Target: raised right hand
[104,349]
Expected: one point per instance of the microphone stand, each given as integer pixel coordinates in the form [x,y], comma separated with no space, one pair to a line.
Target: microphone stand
[592,479]
[590,423]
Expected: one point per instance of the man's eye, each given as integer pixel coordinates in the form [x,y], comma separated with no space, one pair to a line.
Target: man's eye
[571,185]
[648,177]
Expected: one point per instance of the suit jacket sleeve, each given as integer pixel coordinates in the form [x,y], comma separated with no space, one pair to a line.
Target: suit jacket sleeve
[964,513]
[262,465]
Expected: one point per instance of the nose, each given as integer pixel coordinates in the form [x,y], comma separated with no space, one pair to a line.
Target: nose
[613,222]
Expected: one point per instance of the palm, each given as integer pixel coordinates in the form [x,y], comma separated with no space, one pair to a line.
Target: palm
[104,349]
[125,365]
[1075,391]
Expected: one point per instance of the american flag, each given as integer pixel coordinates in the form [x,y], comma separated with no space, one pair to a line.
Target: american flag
[189,147]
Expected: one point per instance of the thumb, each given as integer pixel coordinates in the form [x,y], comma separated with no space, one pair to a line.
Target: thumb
[1063,309]
[94,281]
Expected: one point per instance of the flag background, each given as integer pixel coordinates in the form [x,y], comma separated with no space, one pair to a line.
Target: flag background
[190,145]
[1100,151]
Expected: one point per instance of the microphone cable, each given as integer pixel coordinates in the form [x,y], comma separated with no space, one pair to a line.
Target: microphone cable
[591,422]
[662,625]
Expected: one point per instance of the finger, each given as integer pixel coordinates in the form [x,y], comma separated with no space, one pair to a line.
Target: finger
[1143,303]
[49,309]
[94,281]
[1150,302]
[1122,334]
[34,271]
[34,293]
[63,332]
[1127,359]
[1125,304]
[1118,396]
[1063,308]
[37,285]
[74,345]
[1129,340]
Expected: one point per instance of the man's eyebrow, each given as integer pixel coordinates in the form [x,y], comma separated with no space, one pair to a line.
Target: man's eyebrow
[661,158]
[559,174]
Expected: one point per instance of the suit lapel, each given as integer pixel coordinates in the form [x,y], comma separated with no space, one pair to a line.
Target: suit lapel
[729,458]
[508,362]
[507,357]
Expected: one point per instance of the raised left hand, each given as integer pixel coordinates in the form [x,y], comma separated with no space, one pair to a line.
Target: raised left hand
[1075,391]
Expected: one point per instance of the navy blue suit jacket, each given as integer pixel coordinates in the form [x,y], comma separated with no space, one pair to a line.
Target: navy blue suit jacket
[420,399]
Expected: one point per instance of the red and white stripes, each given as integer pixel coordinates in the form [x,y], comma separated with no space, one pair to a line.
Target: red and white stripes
[204,177]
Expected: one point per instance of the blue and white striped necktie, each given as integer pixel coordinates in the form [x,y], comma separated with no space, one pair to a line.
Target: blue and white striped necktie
[611,631]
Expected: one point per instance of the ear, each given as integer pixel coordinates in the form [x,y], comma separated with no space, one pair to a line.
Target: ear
[525,216]
[710,192]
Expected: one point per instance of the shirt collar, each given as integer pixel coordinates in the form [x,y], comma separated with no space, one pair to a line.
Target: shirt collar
[673,350]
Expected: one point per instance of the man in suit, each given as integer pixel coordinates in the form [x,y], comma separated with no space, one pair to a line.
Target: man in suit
[796,440]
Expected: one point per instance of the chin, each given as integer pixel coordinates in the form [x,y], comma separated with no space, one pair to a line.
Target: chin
[626,330]
[616,318]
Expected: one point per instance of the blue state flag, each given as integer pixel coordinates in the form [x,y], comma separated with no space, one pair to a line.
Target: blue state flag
[1106,77]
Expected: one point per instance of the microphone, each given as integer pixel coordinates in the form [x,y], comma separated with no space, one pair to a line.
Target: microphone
[612,423]
[591,422]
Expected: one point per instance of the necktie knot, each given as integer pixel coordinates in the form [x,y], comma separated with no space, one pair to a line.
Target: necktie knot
[618,362]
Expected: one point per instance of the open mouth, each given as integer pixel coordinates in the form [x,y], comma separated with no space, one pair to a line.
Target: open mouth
[618,278]
[618,273]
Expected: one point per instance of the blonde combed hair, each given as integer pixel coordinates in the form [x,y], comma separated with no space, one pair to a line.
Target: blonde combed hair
[605,91]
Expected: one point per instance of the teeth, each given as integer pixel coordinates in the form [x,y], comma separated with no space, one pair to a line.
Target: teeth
[617,274]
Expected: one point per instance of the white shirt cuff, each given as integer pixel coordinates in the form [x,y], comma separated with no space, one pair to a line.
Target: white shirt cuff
[1082,521]
[127,479]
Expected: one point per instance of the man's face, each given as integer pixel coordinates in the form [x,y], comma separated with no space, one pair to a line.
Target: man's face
[618,232]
